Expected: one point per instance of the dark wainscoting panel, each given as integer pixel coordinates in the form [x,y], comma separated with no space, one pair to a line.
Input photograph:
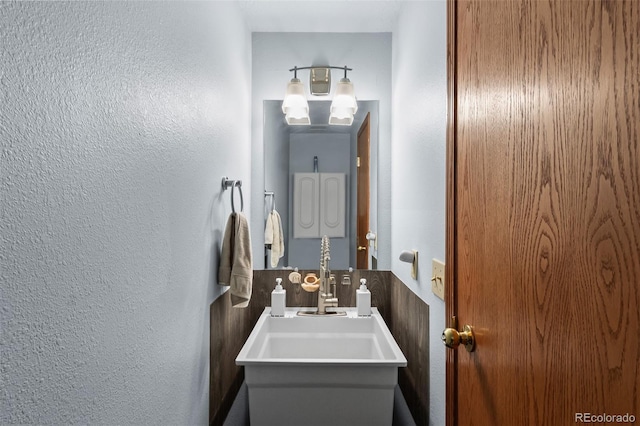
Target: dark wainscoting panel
[229,328]
[405,313]
[409,325]
[265,281]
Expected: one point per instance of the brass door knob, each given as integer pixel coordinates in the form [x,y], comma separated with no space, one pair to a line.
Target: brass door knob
[362,248]
[452,338]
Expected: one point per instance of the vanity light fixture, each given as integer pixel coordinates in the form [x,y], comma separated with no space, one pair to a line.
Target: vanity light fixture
[295,107]
[343,107]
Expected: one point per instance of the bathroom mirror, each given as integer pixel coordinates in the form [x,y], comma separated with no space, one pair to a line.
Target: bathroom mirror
[292,149]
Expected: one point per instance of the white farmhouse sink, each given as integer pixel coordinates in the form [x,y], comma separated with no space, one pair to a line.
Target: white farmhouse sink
[321,370]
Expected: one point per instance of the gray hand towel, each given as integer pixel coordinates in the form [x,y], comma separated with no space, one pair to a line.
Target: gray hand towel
[236,266]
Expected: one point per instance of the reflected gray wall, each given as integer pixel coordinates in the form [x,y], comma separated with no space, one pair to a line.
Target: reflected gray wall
[333,152]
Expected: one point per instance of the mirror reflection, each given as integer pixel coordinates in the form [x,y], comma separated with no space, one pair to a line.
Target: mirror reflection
[297,156]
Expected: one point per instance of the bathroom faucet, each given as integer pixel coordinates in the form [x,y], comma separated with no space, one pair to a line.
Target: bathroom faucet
[327,297]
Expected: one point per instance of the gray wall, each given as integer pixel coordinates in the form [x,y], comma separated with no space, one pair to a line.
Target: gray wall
[118,121]
[418,166]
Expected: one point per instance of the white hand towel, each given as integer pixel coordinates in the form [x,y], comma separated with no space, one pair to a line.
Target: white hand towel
[277,244]
[268,230]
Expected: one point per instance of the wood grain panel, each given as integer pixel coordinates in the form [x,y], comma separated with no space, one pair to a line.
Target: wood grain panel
[547,209]
[229,328]
[264,282]
[409,324]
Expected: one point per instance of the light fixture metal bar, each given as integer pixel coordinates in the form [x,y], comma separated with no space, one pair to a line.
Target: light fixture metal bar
[345,68]
[320,77]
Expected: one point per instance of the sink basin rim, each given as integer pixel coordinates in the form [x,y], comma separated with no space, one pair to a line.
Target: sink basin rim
[341,334]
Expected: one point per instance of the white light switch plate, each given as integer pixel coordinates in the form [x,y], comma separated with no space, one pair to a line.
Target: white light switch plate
[437,273]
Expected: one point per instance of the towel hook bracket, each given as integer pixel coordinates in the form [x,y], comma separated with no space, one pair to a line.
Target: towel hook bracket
[229,183]
[272,195]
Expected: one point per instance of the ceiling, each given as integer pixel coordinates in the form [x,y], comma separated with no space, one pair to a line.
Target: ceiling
[321,16]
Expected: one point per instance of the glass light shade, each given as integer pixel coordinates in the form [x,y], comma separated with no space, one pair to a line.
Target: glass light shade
[342,112]
[295,106]
[297,116]
[344,104]
[297,112]
[335,120]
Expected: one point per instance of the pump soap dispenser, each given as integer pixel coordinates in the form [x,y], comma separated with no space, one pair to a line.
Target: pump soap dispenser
[278,296]
[363,299]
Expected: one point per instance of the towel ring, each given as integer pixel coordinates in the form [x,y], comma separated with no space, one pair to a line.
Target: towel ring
[226,183]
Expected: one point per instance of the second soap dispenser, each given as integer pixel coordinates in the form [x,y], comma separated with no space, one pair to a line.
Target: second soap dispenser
[363,299]
[278,297]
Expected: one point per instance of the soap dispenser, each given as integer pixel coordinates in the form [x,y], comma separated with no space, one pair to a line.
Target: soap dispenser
[363,299]
[278,296]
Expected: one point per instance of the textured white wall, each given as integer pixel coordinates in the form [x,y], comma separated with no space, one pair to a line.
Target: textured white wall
[117,122]
[418,166]
[369,54]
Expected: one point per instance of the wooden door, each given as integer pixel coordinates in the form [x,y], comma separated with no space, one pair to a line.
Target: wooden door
[543,210]
[362,246]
